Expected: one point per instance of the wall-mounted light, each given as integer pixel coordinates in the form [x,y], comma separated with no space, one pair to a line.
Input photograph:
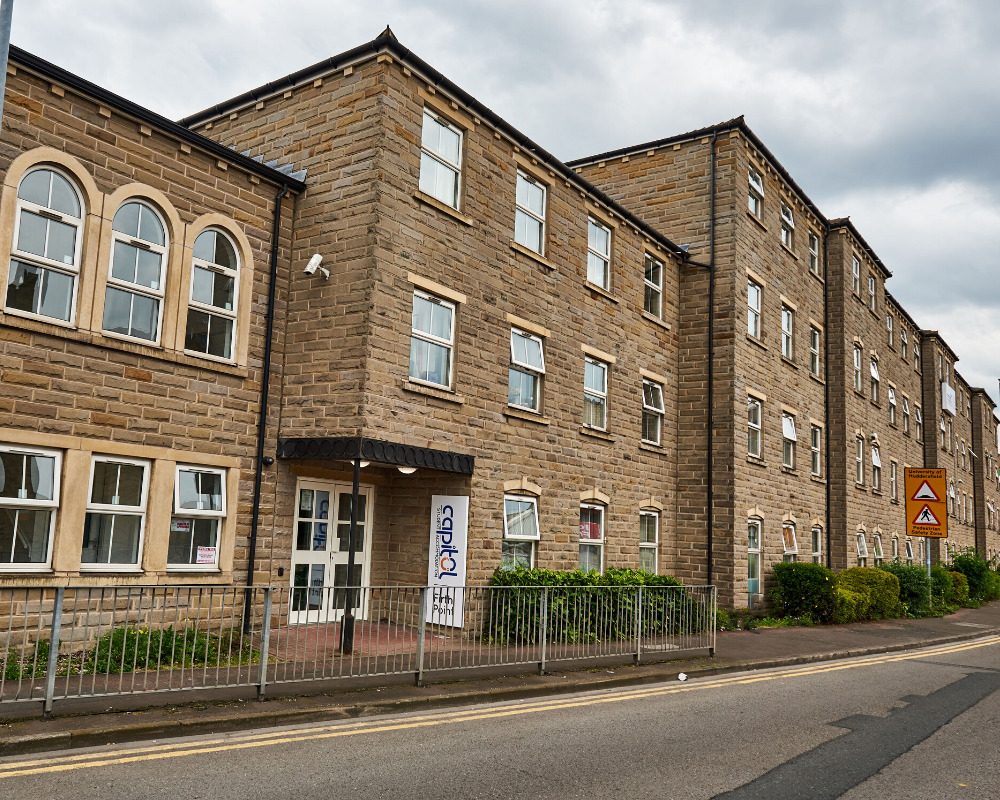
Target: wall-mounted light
[364,464]
[407,470]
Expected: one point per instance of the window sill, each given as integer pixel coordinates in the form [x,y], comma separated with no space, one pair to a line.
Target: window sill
[117,569]
[601,291]
[522,414]
[755,341]
[862,395]
[894,502]
[9,571]
[817,479]
[656,320]
[760,462]
[861,487]
[789,470]
[817,378]
[877,492]
[756,220]
[789,250]
[430,391]
[444,208]
[649,447]
[597,434]
[120,345]
[527,252]
[789,362]
[193,569]
[818,277]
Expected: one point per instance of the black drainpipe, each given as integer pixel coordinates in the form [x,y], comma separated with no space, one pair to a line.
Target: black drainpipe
[826,386]
[265,379]
[710,460]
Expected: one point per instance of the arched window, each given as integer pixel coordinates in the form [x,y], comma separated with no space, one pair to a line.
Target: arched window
[755,533]
[133,303]
[211,320]
[45,257]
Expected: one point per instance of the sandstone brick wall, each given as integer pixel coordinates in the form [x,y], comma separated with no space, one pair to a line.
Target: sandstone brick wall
[79,391]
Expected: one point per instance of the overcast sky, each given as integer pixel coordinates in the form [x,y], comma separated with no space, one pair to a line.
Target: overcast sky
[886,112]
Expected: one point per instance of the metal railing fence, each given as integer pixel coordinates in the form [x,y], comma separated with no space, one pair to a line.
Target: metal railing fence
[58,643]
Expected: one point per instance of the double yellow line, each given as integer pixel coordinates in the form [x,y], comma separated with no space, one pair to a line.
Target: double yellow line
[158,752]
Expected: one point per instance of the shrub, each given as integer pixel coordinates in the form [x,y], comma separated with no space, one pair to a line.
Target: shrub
[128,648]
[880,587]
[588,606]
[914,587]
[977,572]
[802,589]
[943,589]
[850,606]
[28,664]
[961,590]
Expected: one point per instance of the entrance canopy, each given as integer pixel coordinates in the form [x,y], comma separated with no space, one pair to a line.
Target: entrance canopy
[348,448]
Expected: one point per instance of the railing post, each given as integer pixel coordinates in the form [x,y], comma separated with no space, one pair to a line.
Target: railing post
[421,631]
[50,670]
[713,616]
[638,624]
[265,643]
[543,629]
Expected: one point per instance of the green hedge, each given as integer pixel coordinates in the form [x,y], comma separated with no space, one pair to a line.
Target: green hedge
[802,589]
[914,587]
[881,588]
[850,606]
[984,583]
[588,606]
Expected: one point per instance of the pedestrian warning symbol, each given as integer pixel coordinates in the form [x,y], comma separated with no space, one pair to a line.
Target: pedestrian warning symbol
[926,502]
[925,492]
[926,517]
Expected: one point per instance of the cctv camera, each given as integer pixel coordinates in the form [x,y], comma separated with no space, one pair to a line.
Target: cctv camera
[313,264]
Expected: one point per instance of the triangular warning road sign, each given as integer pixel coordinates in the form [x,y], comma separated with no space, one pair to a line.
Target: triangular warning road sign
[925,492]
[926,517]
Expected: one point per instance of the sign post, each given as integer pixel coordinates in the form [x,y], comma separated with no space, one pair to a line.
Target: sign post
[926,507]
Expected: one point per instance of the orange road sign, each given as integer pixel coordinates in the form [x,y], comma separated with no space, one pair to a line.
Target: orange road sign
[926,502]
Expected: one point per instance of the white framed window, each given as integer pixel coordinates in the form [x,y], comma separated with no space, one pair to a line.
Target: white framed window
[652,301]
[952,512]
[649,540]
[652,411]
[527,366]
[895,547]
[889,326]
[787,227]
[432,340]
[520,531]
[787,332]
[29,501]
[876,468]
[904,344]
[894,480]
[211,317]
[755,532]
[908,549]
[855,275]
[789,542]
[440,159]
[529,214]
[788,440]
[591,537]
[598,253]
[875,379]
[196,524]
[754,295]
[754,413]
[877,548]
[116,513]
[871,292]
[817,544]
[815,348]
[595,394]
[916,357]
[45,254]
[813,253]
[891,395]
[133,300]
[755,197]
[859,461]
[858,386]
[906,415]
[862,545]
[816,450]
[918,418]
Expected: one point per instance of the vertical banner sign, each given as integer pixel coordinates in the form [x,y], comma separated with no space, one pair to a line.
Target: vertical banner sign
[447,560]
[926,502]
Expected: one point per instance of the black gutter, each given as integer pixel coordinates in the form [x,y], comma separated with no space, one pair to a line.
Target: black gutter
[61,76]
[265,380]
[387,42]
[826,393]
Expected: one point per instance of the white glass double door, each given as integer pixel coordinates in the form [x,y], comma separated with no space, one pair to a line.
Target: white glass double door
[320,551]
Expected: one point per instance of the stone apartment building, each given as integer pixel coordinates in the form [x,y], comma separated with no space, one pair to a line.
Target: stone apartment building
[644,358]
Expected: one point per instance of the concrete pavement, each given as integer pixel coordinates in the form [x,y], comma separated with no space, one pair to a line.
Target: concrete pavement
[104,720]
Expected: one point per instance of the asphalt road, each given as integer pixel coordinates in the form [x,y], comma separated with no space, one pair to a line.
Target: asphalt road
[923,724]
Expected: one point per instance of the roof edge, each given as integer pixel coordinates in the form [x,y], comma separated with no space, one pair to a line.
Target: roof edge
[845,223]
[934,334]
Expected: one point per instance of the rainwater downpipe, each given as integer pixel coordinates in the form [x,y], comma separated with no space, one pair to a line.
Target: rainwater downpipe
[826,390]
[710,378]
[265,379]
